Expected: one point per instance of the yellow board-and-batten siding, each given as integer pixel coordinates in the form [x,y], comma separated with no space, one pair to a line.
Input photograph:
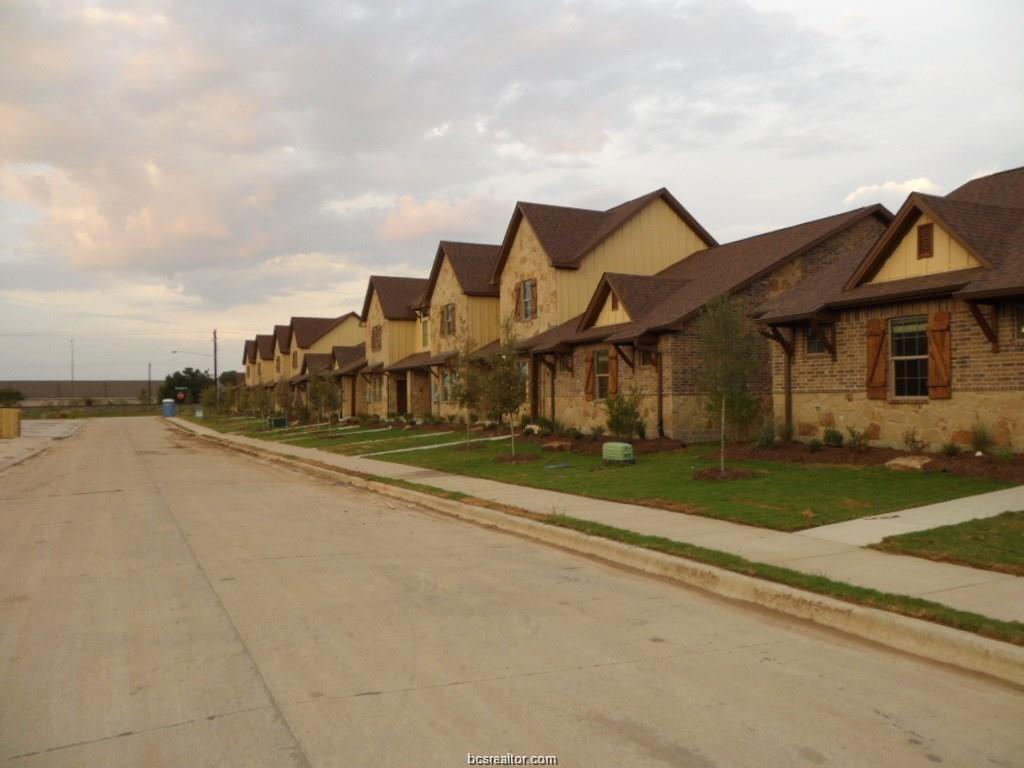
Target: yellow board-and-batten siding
[609,316]
[648,243]
[348,333]
[948,255]
[398,337]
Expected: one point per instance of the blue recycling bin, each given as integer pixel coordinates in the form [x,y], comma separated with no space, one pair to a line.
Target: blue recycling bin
[170,408]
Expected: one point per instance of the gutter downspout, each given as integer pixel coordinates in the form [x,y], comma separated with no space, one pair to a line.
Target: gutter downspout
[661,397]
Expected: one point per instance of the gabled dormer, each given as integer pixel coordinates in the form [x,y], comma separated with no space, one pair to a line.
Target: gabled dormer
[919,242]
[389,317]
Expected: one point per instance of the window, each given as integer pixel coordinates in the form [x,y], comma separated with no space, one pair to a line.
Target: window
[910,357]
[448,320]
[815,341]
[295,359]
[925,237]
[375,389]
[425,330]
[447,385]
[1018,324]
[277,364]
[602,373]
[376,336]
[526,300]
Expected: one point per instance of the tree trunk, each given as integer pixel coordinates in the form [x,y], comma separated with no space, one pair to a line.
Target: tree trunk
[721,459]
[512,431]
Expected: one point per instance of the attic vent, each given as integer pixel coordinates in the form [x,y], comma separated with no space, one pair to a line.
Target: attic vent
[925,238]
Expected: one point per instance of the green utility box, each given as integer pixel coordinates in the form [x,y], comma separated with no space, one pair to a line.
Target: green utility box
[618,453]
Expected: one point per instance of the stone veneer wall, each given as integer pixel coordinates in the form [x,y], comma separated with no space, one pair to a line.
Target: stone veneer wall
[986,386]
[684,414]
[419,393]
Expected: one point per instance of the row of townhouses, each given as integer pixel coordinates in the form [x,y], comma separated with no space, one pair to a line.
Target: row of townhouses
[873,321]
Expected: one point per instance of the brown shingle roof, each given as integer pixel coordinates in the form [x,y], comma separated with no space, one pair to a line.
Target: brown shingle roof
[249,352]
[473,264]
[415,360]
[307,330]
[283,336]
[986,215]
[569,234]
[265,346]
[398,296]
[728,268]
[344,356]
[313,362]
[1002,189]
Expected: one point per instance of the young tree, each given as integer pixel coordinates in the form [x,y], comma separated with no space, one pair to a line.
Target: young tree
[505,387]
[208,399]
[623,414]
[282,396]
[324,396]
[728,349]
[469,380]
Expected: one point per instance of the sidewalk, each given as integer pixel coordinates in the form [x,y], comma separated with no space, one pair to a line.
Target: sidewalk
[997,595]
[871,530]
[36,435]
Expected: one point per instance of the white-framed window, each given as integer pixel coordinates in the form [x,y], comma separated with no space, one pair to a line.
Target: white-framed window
[909,356]
[602,373]
[447,383]
[526,299]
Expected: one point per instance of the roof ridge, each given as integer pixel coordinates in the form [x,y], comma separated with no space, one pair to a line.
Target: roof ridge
[862,209]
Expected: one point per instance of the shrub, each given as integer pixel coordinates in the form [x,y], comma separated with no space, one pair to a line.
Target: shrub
[623,414]
[208,399]
[981,437]
[1004,454]
[10,396]
[833,437]
[858,440]
[766,436]
[574,433]
[597,432]
[641,429]
[911,441]
[814,446]
[951,449]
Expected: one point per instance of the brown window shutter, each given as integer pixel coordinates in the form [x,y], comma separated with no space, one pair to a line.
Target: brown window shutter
[535,300]
[519,301]
[878,360]
[925,241]
[613,372]
[940,370]
[588,385]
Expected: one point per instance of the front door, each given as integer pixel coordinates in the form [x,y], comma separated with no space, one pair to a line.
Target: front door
[401,396]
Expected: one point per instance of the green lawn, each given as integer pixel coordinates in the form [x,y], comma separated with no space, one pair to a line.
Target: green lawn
[783,496]
[995,543]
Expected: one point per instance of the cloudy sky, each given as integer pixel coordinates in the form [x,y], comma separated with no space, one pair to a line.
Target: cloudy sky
[171,167]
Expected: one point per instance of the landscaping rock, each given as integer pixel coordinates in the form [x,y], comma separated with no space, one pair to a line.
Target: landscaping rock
[909,463]
[532,429]
[557,445]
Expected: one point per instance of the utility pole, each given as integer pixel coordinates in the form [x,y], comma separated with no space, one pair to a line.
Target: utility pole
[216,378]
[72,367]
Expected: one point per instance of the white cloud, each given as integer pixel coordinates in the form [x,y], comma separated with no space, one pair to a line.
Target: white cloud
[888,189]
[360,204]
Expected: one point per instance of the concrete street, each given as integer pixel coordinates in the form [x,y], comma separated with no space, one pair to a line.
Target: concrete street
[164,602]
[36,435]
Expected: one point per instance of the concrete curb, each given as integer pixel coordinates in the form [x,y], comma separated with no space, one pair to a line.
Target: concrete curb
[920,638]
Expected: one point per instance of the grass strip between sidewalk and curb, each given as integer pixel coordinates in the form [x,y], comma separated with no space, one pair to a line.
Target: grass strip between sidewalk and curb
[1011,632]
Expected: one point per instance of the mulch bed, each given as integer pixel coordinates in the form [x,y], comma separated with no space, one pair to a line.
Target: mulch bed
[966,464]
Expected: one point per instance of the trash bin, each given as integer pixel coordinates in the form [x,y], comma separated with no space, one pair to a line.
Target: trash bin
[170,407]
[10,423]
